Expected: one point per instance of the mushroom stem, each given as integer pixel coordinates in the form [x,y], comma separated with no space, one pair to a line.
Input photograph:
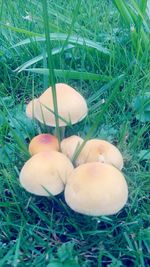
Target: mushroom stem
[62,132]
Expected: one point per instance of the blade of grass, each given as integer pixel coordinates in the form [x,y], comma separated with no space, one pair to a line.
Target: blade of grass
[45,77]
[20,30]
[59,117]
[75,14]
[121,6]
[71,74]
[51,66]
[135,20]
[7,256]
[1,9]
[143,6]
[16,137]
[62,37]
[103,89]
[34,60]
[140,15]
[17,248]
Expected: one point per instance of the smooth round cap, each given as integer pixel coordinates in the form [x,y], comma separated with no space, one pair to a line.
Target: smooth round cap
[43,142]
[96,189]
[31,107]
[46,171]
[70,144]
[102,151]
[72,106]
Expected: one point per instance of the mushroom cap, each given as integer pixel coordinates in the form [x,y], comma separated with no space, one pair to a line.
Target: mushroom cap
[72,106]
[96,189]
[102,151]
[43,142]
[70,144]
[30,108]
[46,171]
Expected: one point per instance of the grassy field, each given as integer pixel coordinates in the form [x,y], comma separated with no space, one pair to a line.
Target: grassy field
[97,49]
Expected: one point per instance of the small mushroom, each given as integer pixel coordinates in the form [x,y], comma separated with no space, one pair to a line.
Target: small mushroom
[70,144]
[96,189]
[43,142]
[46,172]
[102,151]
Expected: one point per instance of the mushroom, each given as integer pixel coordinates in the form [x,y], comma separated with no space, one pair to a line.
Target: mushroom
[102,151]
[43,142]
[72,107]
[46,172]
[30,108]
[96,189]
[70,144]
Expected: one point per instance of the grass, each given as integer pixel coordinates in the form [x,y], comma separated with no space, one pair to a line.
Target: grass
[36,231]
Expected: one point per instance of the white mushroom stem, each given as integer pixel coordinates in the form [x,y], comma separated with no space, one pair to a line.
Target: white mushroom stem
[62,132]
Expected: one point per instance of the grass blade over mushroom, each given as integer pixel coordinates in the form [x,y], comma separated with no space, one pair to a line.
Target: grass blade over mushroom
[50,65]
[68,123]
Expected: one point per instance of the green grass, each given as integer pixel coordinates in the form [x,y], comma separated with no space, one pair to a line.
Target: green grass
[93,50]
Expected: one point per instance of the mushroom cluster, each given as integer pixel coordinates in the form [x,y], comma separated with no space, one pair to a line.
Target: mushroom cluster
[93,184]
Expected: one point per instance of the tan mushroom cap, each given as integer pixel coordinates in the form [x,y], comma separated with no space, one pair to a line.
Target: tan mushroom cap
[96,189]
[102,151]
[30,108]
[46,171]
[72,106]
[43,142]
[70,144]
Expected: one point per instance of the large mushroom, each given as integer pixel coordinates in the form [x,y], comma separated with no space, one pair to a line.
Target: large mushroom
[72,107]
[46,172]
[96,189]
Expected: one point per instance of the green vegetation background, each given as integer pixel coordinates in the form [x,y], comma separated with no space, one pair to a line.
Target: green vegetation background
[99,47]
